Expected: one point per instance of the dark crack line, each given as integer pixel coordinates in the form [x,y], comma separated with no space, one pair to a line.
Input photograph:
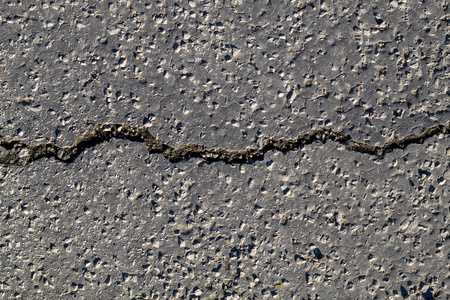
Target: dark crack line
[21,154]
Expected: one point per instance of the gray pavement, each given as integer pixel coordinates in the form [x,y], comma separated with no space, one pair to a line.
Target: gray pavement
[119,218]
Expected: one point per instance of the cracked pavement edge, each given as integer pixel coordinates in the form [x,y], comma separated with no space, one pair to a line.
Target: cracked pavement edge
[21,154]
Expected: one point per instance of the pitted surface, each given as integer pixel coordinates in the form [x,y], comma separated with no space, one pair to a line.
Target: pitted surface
[241,83]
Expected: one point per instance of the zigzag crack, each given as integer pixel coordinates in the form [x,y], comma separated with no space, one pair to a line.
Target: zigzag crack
[21,154]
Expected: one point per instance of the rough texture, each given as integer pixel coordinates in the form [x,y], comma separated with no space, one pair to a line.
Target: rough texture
[15,156]
[222,80]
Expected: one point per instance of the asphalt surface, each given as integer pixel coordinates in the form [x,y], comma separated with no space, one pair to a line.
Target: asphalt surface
[224,150]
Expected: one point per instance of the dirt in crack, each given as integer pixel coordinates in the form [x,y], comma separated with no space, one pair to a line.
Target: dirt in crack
[16,153]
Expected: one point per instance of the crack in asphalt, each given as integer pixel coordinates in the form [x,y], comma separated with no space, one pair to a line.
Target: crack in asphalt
[21,154]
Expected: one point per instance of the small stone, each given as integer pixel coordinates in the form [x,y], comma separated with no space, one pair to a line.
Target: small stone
[428,295]
[317,253]
[403,291]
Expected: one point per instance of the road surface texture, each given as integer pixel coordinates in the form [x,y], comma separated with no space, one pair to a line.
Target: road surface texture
[224,149]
